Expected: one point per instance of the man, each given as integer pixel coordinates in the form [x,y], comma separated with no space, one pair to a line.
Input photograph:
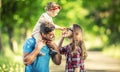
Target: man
[51,10]
[31,50]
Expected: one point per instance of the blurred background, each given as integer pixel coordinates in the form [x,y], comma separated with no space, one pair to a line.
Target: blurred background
[100,20]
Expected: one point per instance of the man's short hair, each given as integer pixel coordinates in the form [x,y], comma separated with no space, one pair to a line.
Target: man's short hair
[46,27]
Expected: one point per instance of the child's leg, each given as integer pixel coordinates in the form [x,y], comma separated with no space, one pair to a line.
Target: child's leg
[38,37]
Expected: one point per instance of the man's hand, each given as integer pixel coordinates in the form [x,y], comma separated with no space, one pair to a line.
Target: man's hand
[51,45]
[56,57]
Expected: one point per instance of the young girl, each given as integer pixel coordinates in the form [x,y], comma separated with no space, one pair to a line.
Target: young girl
[75,52]
[52,9]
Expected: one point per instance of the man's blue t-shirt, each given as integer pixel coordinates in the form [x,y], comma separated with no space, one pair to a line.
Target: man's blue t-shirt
[41,63]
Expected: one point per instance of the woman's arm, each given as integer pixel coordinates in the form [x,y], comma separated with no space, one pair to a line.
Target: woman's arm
[62,38]
[60,42]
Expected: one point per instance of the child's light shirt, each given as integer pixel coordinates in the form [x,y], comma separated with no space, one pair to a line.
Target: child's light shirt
[43,18]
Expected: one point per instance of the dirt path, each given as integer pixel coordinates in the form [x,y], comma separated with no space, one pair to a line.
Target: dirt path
[96,62]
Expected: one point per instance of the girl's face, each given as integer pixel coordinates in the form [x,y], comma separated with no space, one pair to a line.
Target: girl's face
[55,12]
[77,35]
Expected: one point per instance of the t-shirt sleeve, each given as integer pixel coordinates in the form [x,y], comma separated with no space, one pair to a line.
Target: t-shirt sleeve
[29,45]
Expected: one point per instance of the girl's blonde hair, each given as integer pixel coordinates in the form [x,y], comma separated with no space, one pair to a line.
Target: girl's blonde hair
[77,29]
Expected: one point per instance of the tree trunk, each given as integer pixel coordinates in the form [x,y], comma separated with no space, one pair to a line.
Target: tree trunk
[1,48]
[10,36]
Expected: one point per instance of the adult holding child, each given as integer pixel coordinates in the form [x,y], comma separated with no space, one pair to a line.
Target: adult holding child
[33,60]
[51,10]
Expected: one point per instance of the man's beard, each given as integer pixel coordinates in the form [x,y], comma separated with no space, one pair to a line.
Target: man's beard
[47,39]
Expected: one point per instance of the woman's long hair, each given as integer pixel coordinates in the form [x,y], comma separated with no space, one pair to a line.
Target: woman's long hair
[79,42]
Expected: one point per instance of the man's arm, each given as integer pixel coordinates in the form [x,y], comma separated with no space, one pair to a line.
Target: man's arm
[28,58]
[57,57]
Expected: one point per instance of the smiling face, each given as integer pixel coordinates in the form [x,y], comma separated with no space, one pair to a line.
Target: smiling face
[49,37]
[47,31]
[74,33]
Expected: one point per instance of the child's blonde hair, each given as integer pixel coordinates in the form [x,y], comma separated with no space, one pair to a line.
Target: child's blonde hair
[78,30]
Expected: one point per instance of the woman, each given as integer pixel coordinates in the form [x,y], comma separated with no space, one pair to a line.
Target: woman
[75,52]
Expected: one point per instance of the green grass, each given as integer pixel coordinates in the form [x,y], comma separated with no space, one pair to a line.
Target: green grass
[11,62]
[8,64]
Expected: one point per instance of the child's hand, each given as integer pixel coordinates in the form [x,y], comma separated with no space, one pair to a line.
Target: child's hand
[63,28]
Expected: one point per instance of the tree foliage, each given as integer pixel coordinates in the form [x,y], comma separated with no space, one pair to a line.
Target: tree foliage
[95,16]
[105,15]
[17,16]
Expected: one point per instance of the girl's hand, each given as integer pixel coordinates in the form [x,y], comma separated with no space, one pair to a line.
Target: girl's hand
[66,33]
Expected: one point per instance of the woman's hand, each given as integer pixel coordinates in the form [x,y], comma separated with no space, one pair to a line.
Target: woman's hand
[66,33]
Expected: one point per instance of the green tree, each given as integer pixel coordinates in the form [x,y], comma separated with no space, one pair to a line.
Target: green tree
[105,15]
[18,15]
